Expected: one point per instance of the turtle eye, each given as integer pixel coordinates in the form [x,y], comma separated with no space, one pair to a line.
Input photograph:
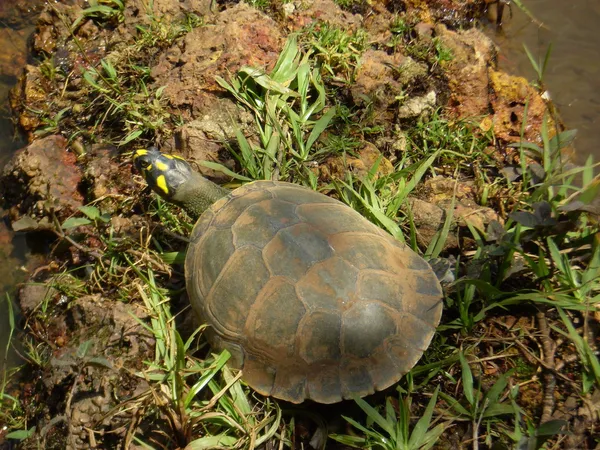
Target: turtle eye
[142,161]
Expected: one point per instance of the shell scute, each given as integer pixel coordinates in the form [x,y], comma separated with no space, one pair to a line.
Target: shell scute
[293,250]
[227,212]
[216,247]
[257,224]
[268,329]
[324,385]
[370,251]
[259,374]
[290,383]
[319,337]
[235,291]
[300,195]
[359,337]
[355,378]
[334,218]
[330,284]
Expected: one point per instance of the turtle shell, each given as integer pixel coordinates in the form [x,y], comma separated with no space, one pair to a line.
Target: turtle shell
[312,300]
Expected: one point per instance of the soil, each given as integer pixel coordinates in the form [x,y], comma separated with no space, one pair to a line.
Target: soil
[47,181]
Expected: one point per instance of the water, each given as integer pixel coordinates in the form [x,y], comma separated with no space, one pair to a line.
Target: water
[573,72]
[14,252]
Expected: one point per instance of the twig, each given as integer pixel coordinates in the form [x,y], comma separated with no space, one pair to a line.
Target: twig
[549,379]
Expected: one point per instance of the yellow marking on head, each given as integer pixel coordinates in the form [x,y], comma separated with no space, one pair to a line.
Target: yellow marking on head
[168,156]
[161,183]
[148,168]
[140,152]
[178,157]
[161,166]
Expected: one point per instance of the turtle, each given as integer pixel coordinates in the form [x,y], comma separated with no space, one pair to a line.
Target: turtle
[311,299]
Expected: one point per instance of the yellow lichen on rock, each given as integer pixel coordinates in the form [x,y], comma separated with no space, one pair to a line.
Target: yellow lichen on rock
[511,94]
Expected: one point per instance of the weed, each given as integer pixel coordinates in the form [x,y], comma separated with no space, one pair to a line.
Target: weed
[460,142]
[336,50]
[103,11]
[202,397]
[161,32]
[380,198]
[283,103]
[478,407]
[263,5]
[116,96]
[125,99]
[393,430]
[432,51]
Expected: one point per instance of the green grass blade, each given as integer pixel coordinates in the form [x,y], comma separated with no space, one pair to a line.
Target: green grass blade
[419,433]
[222,440]
[318,128]
[438,242]
[420,170]
[286,67]
[221,168]
[207,376]
[467,379]
[374,416]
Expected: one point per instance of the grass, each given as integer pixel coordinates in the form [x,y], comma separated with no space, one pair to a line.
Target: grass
[404,38]
[284,104]
[116,99]
[522,289]
[336,50]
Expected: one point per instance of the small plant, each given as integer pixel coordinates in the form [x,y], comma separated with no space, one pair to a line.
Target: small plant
[460,142]
[393,431]
[337,51]
[283,103]
[105,11]
[479,406]
[259,4]
[126,99]
[380,198]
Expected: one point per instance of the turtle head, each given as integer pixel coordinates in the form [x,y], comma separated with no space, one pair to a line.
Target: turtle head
[165,174]
[173,178]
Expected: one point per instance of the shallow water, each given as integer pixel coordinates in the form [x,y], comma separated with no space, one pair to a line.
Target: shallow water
[573,79]
[14,251]
[573,72]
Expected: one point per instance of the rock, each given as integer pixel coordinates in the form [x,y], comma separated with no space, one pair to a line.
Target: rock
[322,11]
[28,95]
[12,58]
[452,13]
[368,156]
[467,72]
[510,95]
[429,219]
[417,106]
[18,14]
[424,30]
[239,36]
[434,202]
[103,347]
[382,77]
[53,26]
[379,23]
[106,178]
[40,178]
[168,10]
[32,295]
